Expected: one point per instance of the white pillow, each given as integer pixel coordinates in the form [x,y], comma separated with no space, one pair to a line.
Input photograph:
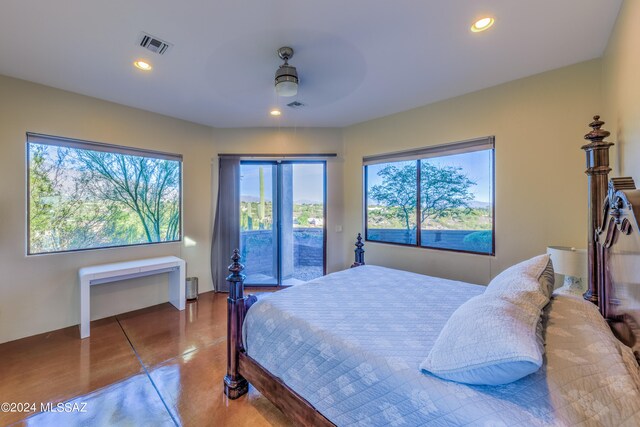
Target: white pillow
[496,338]
[535,274]
[487,341]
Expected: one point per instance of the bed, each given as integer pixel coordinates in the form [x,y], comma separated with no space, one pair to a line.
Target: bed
[346,349]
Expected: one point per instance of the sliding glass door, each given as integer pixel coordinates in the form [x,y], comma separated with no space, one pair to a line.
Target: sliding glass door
[282,221]
[303,221]
[258,222]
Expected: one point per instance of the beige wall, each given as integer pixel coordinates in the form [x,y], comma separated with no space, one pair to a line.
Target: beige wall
[540,190]
[40,293]
[621,90]
[538,123]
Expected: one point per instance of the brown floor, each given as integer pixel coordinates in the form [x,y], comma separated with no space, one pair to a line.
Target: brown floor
[151,367]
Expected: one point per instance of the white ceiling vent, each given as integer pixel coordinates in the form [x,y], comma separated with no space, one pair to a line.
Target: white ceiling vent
[295,104]
[154,44]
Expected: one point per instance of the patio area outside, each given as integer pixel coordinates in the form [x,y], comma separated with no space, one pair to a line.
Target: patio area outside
[303,255]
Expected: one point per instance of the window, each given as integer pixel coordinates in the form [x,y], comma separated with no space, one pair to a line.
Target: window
[282,221]
[446,189]
[85,195]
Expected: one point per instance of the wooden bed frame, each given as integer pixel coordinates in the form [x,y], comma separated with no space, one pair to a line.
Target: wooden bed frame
[613,281]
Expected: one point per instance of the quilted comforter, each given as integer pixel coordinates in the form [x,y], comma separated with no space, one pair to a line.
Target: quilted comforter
[351,344]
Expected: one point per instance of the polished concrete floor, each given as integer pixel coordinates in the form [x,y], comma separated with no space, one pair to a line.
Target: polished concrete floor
[151,367]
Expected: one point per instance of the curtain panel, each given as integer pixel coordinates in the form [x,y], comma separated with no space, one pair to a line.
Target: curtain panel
[226,226]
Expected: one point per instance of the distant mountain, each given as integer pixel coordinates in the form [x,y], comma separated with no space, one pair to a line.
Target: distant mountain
[479,205]
[254,199]
[307,202]
[250,199]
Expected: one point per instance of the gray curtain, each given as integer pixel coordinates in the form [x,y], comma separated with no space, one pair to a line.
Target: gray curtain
[226,226]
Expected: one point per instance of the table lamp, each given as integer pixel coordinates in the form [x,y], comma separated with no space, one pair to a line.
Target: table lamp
[572,263]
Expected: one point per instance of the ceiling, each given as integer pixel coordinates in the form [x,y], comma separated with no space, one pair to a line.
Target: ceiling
[357,59]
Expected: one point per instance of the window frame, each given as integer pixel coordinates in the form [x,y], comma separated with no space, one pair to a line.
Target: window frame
[44,139]
[436,151]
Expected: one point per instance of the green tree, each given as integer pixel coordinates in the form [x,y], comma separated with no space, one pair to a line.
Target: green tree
[86,199]
[397,192]
[148,187]
[59,219]
[303,219]
[444,192]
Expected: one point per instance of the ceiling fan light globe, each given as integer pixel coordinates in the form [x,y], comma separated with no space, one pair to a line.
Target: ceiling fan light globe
[286,80]
[287,88]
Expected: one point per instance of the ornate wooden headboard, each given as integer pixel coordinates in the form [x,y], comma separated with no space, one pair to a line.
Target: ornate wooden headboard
[618,244]
[613,241]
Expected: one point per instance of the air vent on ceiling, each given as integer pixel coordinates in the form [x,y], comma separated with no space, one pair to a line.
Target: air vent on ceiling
[153,43]
[295,104]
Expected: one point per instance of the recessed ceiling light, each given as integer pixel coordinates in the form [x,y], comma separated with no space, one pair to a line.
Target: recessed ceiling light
[144,66]
[275,112]
[482,24]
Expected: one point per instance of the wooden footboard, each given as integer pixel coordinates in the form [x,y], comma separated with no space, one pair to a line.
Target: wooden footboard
[288,401]
[237,305]
[242,369]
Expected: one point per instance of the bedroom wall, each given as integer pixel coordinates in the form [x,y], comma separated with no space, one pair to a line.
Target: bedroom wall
[40,293]
[621,90]
[540,189]
[538,123]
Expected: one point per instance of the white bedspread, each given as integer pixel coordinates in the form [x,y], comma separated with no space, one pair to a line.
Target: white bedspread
[351,344]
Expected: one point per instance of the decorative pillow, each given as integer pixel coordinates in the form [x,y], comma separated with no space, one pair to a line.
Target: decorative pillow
[548,278]
[496,338]
[535,274]
[488,340]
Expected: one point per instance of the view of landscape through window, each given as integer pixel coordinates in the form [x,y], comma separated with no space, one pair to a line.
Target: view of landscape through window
[301,211]
[83,199]
[456,202]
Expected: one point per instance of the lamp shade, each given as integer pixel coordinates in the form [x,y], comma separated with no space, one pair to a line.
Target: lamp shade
[569,261]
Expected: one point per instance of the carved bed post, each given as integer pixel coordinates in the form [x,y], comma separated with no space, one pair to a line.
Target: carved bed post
[597,151]
[234,384]
[359,252]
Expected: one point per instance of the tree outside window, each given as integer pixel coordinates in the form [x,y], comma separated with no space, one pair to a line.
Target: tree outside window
[85,199]
[456,202]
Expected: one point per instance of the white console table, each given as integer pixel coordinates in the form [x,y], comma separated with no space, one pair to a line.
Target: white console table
[106,273]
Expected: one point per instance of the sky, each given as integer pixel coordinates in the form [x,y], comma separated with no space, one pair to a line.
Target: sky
[308,182]
[71,165]
[476,165]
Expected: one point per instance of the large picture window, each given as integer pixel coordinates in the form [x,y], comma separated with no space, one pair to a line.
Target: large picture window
[438,197]
[84,195]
